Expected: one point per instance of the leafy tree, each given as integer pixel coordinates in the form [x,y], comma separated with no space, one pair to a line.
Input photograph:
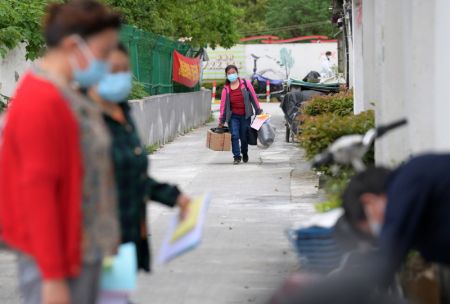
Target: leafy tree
[292,18]
[20,22]
[252,16]
[210,22]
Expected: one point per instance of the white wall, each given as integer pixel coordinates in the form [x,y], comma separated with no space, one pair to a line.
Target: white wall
[391,106]
[406,74]
[358,57]
[307,57]
[441,75]
[12,67]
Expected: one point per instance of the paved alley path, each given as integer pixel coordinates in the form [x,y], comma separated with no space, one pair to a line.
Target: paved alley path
[244,255]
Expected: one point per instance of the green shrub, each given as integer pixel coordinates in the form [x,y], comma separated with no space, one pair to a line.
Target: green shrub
[325,119]
[138,91]
[334,188]
[340,104]
[318,132]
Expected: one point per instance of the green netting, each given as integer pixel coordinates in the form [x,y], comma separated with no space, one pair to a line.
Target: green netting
[151,60]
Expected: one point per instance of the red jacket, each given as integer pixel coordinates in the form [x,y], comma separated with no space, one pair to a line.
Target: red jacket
[250,101]
[40,179]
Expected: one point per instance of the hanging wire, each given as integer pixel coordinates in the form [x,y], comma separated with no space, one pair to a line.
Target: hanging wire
[284,28]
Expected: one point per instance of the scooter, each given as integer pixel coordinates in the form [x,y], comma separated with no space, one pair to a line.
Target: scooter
[325,252]
[259,81]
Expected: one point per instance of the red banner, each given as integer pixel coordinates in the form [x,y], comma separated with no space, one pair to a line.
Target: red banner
[185,70]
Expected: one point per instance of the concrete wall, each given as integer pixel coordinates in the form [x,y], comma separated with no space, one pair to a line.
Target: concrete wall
[161,118]
[404,70]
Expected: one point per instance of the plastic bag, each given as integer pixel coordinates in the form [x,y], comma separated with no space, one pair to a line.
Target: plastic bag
[266,135]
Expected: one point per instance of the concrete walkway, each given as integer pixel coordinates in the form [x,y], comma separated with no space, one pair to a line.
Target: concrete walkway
[245,254]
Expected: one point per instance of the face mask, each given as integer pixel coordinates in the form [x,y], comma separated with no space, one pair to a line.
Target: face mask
[95,70]
[376,228]
[115,87]
[232,77]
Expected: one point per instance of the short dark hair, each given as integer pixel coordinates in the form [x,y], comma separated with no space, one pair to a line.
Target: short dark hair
[82,17]
[373,180]
[229,67]
[328,53]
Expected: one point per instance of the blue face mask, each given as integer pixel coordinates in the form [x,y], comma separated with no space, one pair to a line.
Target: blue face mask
[232,77]
[95,70]
[115,87]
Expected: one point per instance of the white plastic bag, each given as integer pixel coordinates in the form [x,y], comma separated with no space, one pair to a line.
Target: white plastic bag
[266,135]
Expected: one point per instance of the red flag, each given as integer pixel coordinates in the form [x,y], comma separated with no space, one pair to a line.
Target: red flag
[185,70]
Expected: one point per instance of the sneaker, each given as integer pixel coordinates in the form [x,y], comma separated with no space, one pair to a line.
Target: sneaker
[237,160]
[245,158]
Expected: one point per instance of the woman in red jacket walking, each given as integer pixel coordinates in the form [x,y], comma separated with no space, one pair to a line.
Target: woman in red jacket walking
[236,107]
[57,198]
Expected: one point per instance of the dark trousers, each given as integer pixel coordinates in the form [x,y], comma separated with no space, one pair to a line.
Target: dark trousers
[238,126]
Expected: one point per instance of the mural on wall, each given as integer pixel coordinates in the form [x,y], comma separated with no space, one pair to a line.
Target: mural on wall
[220,58]
[287,60]
[273,61]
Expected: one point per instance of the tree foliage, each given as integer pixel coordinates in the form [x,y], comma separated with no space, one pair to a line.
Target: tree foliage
[292,18]
[210,22]
[213,22]
[252,16]
[20,22]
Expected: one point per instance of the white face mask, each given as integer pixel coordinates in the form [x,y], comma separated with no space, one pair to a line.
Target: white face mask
[375,228]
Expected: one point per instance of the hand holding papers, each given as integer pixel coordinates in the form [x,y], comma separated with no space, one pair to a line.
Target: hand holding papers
[260,120]
[186,234]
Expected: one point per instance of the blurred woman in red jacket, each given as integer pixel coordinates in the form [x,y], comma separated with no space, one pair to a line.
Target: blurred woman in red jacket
[57,198]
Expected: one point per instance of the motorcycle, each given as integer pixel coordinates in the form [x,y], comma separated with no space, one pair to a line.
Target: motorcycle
[330,254]
[299,91]
[290,105]
[259,81]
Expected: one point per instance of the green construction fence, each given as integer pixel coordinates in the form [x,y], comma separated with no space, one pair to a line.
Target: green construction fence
[151,58]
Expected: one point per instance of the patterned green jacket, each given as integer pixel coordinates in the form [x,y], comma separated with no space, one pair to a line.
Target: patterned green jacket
[135,187]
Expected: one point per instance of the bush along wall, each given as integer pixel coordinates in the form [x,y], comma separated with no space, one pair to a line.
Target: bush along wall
[318,132]
[138,91]
[325,119]
[340,104]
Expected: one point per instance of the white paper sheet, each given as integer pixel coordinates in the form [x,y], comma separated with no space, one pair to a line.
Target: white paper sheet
[189,241]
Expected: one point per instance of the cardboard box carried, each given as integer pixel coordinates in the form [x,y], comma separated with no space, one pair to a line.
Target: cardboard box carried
[218,141]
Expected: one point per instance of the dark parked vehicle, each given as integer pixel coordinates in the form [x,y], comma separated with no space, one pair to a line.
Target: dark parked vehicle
[290,105]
